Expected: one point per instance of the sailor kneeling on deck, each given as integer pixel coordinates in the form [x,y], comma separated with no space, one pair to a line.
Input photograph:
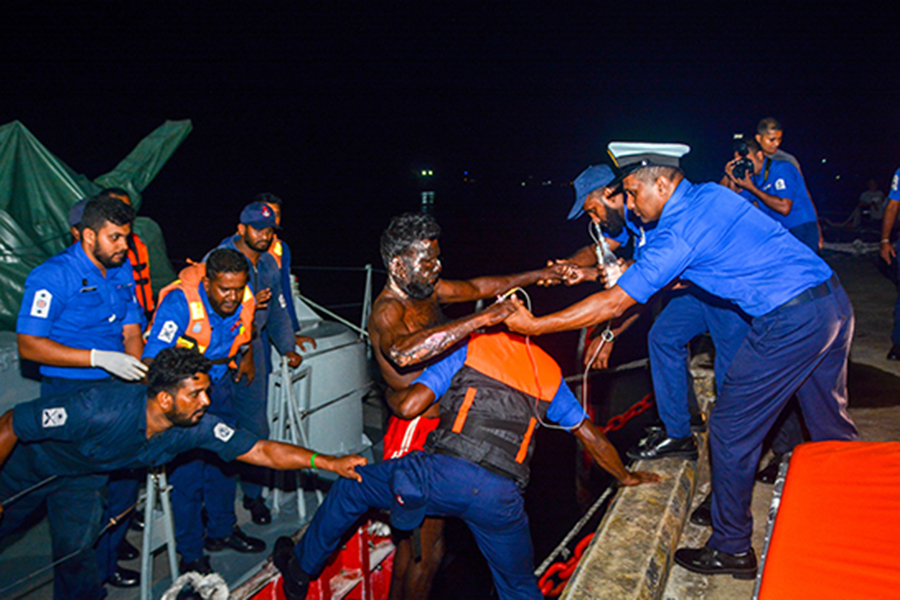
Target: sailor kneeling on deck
[59,450]
[494,392]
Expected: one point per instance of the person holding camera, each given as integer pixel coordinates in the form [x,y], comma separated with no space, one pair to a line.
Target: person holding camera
[777,188]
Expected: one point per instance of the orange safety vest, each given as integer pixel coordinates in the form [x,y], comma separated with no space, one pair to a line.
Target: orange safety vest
[140,262]
[189,281]
[275,250]
[494,404]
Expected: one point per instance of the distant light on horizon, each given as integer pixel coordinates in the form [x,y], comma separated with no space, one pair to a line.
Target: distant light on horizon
[824,160]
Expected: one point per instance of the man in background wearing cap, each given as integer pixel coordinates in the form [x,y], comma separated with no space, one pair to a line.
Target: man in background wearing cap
[79,319]
[689,312]
[798,342]
[273,323]
[493,391]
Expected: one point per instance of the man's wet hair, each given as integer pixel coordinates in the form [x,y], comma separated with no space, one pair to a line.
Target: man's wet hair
[102,210]
[768,124]
[225,260]
[172,366]
[404,231]
[649,175]
[269,198]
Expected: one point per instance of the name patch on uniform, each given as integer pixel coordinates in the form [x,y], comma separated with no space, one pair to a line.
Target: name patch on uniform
[223,432]
[779,184]
[197,312]
[40,306]
[53,417]
[168,331]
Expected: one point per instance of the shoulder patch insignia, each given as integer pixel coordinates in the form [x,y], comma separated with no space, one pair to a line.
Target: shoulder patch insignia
[168,331]
[282,301]
[223,432]
[40,306]
[779,184]
[894,182]
[53,417]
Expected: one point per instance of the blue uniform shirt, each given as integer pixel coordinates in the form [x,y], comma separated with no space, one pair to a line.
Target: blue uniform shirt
[104,428]
[69,301]
[894,194]
[172,318]
[635,228]
[564,408]
[709,235]
[785,181]
[275,319]
[286,283]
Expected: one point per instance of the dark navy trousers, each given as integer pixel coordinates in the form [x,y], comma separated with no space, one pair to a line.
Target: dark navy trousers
[122,489]
[689,313]
[200,479]
[800,349]
[895,335]
[250,407]
[491,506]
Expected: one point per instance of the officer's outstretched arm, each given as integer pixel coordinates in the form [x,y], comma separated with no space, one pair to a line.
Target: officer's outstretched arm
[594,309]
[410,402]
[8,439]
[284,457]
[606,456]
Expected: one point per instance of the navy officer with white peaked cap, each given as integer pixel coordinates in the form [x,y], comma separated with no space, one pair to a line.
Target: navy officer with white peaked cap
[799,338]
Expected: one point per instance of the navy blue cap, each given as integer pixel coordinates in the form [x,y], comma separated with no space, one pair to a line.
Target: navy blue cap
[76,212]
[409,488]
[592,178]
[258,215]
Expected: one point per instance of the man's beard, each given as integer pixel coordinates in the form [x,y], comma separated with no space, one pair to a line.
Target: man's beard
[261,246]
[179,420]
[108,261]
[419,290]
[614,223]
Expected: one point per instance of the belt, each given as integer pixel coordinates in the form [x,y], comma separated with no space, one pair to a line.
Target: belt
[482,464]
[814,293]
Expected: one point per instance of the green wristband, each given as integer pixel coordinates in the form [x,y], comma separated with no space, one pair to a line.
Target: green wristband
[312,460]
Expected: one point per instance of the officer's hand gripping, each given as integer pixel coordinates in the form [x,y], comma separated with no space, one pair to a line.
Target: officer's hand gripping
[123,366]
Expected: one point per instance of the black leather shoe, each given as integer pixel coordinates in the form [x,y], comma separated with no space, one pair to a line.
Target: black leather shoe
[698,423]
[664,447]
[707,561]
[238,540]
[294,580]
[201,565]
[894,353]
[770,472]
[259,512]
[126,550]
[124,578]
[702,515]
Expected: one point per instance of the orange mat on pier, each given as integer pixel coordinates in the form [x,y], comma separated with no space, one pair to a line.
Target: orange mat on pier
[837,532]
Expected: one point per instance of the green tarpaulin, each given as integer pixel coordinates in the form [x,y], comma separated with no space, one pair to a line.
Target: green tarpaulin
[37,190]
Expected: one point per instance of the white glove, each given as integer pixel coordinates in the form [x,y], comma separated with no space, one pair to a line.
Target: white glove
[119,364]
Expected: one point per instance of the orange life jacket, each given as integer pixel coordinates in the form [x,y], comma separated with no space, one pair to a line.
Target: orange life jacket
[275,250]
[189,281]
[140,262]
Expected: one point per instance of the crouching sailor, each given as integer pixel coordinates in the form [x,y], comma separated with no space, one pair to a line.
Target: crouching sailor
[494,392]
[58,450]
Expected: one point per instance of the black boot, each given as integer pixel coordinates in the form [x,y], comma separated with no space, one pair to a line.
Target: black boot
[294,581]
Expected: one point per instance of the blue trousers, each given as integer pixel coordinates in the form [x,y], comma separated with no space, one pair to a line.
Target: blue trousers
[250,410]
[491,506]
[800,349]
[201,480]
[122,489]
[895,335]
[690,312]
[74,509]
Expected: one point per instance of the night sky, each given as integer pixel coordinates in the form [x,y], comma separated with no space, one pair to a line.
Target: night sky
[336,106]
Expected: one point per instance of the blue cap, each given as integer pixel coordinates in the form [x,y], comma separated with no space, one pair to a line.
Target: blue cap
[409,488]
[76,212]
[592,178]
[258,215]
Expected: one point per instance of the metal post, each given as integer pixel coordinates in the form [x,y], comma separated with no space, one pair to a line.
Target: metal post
[157,491]
[367,306]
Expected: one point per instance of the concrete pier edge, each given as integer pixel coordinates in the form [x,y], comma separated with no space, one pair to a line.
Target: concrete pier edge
[631,553]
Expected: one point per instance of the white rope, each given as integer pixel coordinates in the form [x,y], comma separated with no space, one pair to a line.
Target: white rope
[209,587]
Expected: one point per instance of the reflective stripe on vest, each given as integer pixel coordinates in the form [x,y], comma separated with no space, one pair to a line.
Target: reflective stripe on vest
[275,250]
[189,281]
[139,257]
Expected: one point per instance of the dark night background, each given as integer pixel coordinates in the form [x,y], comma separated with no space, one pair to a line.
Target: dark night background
[336,106]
